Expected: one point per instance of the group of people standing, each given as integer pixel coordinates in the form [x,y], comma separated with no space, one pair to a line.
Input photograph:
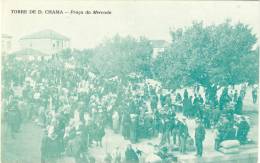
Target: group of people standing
[74,108]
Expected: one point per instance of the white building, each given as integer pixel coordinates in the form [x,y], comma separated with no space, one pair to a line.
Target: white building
[29,55]
[46,41]
[6,44]
[158,47]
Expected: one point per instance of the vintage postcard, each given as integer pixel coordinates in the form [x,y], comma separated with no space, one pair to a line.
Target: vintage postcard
[129,81]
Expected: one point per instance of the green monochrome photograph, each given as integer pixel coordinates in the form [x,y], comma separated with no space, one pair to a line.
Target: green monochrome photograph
[129,81]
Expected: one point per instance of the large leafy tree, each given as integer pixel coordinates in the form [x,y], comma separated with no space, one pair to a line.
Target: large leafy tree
[120,56]
[209,54]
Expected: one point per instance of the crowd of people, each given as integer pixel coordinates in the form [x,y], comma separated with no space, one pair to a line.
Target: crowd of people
[75,106]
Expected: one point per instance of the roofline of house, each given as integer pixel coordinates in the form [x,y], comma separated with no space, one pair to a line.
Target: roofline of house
[66,39]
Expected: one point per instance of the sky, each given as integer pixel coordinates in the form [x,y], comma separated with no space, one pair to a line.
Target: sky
[152,19]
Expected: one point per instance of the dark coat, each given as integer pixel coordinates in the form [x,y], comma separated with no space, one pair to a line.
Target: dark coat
[45,147]
[199,133]
[99,133]
[131,156]
[183,130]
[239,105]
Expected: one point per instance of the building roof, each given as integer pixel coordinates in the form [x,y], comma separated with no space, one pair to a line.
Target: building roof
[28,51]
[46,34]
[6,36]
[159,43]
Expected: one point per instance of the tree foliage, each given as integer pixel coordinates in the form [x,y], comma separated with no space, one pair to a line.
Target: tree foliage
[123,55]
[209,54]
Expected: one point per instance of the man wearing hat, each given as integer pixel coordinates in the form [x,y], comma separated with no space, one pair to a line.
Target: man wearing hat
[199,137]
[243,129]
[77,148]
[183,135]
[45,146]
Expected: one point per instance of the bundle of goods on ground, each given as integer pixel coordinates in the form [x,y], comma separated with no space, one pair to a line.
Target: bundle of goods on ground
[229,147]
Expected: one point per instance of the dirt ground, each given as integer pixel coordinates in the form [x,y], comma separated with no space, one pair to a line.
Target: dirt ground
[25,148]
